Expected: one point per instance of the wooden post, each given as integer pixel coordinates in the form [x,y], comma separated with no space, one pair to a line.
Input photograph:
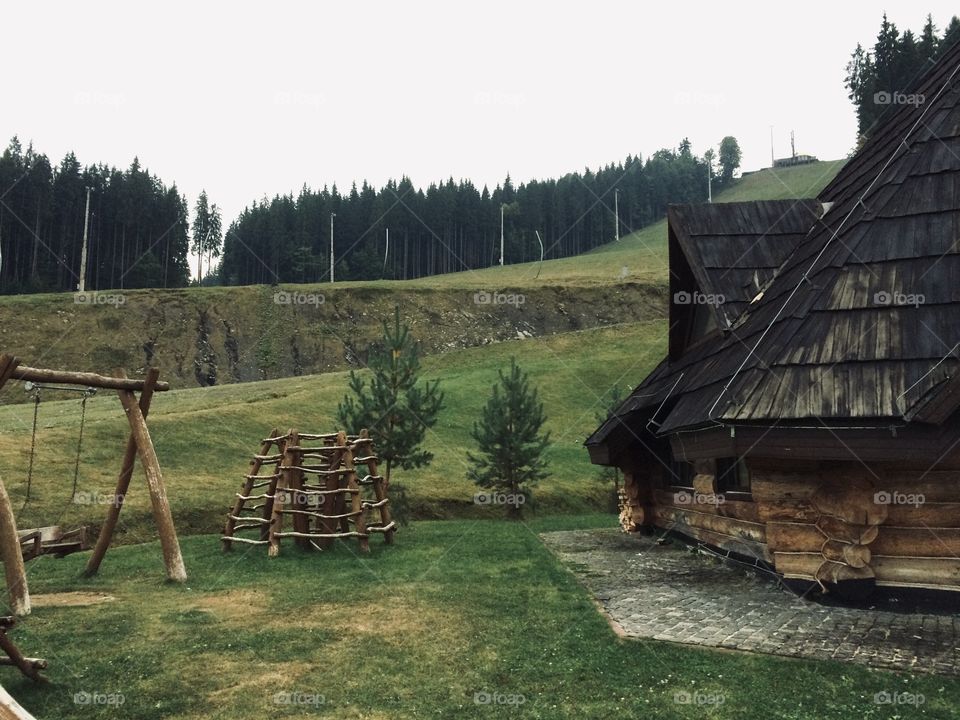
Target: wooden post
[10,709]
[12,557]
[293,480]
[380,492]
[282,489]
[123,481]
[356,501]
[158,494]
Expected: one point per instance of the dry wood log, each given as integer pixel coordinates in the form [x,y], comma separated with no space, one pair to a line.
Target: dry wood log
[83,379]
[8,363]
[173,559]
[10,709]
[12,557]
[123,480]
[756,532]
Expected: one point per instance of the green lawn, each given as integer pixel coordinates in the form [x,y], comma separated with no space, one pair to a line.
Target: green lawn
[454,609]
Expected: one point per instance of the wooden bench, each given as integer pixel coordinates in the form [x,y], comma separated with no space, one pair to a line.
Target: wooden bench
[52,540]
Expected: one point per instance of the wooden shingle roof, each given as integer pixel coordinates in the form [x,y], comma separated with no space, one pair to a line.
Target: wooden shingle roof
[861,318]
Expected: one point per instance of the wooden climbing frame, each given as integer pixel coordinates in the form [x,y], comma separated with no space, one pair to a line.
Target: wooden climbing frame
[318,487]
[139,445]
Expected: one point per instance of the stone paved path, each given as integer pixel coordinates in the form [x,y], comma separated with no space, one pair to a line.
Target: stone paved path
[666,592]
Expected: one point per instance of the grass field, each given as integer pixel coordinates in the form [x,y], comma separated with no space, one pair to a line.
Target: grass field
[453,612]
[204,437]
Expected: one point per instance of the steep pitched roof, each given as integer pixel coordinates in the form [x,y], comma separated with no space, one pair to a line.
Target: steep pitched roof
[862,320]
[735,249]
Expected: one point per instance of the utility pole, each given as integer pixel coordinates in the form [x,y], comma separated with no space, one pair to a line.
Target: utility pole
[709,182]
[82,286]
[386,253]
[501,234]
[616,213]
[773,160]
[332,216]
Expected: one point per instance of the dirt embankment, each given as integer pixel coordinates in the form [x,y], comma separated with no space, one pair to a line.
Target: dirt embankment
[201,337]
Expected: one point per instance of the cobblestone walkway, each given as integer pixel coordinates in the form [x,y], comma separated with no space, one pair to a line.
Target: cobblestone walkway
[665,592]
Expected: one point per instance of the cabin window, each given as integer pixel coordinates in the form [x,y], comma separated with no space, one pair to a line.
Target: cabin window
[733,475]
[681,474]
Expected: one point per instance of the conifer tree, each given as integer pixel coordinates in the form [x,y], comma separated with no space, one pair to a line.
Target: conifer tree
[510,442]
[394,405]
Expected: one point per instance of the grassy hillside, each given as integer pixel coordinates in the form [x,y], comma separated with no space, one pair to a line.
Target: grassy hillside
[203,336]
[204,436]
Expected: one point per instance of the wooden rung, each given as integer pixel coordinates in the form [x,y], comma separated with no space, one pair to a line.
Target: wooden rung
[360,441]
[320,536]
[247,526]
[268,458]
[265,483]
[316,436]
[263,496]
[316,470]
[277,439]
[367,459]
[262,477]
[252,520]
[370,479]
[320,492]
[321,515]
[382,528]
[245,540]
[379,503]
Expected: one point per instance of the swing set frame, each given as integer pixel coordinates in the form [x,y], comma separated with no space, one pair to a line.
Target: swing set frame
[139,445]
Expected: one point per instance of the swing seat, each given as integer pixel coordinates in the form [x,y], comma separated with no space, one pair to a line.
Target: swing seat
[52,540]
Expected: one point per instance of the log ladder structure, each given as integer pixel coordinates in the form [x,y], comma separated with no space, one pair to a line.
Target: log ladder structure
[332,506]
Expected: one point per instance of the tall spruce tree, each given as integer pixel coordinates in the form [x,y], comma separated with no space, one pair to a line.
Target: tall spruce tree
[394,405]
[510,442]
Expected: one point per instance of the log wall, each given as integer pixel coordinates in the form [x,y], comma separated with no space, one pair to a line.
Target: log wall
[887,523]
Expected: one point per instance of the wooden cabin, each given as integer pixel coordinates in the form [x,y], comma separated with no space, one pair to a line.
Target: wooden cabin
[807,416]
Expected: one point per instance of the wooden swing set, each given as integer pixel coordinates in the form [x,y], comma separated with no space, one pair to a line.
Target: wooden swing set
[15,546]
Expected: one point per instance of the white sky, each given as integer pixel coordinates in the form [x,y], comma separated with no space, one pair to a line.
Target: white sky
[248,100]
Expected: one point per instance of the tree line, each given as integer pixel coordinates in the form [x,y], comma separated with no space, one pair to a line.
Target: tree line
[137,234]
[401,232]
[879,78]
[140,232]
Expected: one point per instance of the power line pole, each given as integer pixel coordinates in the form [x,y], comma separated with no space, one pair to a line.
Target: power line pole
[616,213]
[332,216]
[82,286]
[501,234]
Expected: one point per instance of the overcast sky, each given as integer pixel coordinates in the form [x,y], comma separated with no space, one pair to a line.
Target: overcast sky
[251,100]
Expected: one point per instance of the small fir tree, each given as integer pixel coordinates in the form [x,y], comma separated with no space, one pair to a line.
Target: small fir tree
[511,446]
